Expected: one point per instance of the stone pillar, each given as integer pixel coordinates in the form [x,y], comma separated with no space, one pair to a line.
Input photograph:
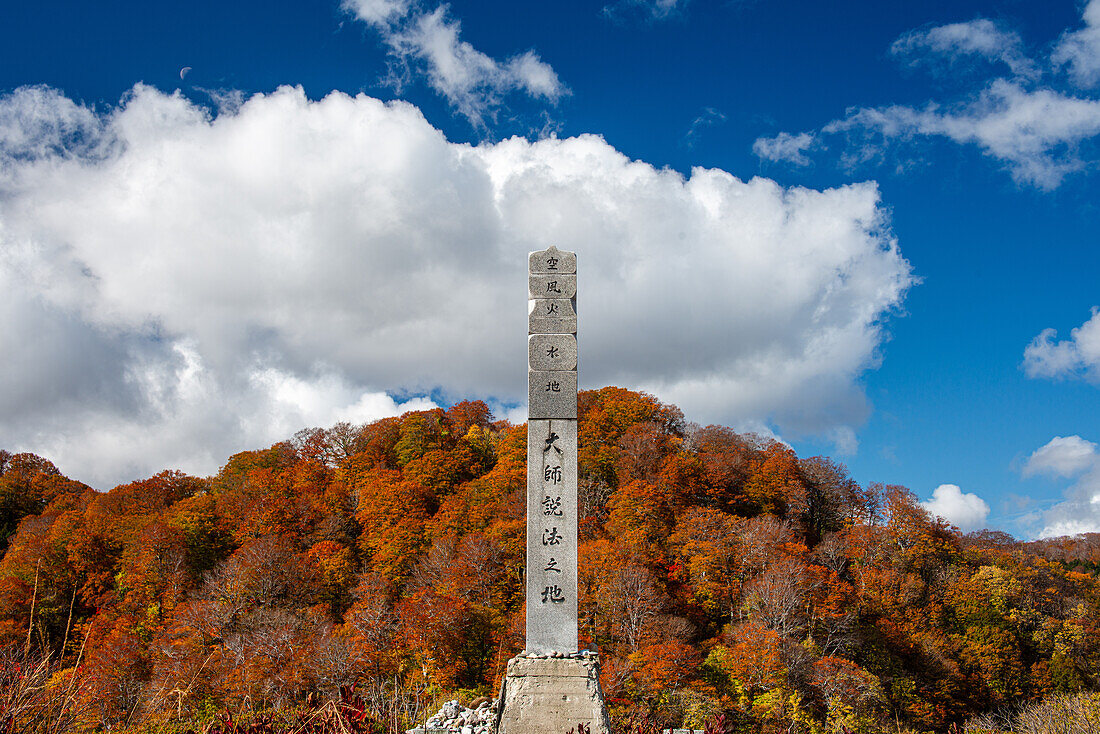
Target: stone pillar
[552,452]
[552,687]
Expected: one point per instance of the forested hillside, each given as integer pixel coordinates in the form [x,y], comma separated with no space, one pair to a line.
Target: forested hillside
[718,572]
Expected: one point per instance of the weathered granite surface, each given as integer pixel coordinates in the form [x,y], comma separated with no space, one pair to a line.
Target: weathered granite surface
[552,687]
[552,352]
[552,326]
[551,286]
[552,536]
[558,308]
[551,394]
[552,260]
[552,316]
[551,696]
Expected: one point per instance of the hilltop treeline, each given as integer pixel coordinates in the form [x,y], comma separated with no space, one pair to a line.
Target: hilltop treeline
[719,572]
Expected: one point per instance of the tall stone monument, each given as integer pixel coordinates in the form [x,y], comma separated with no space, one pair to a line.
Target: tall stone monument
[552,686]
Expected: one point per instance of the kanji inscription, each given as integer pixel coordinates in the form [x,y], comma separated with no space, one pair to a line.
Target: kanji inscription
[552,453]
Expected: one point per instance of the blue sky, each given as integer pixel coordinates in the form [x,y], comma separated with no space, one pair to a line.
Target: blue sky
[848,225]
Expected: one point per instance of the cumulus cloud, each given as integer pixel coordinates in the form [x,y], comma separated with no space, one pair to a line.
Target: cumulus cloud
[1079,51]
[1039,132]
[1079,512]
[1068,521]
[429,43]
[965,510]
[1078,356]
[1062,456]
[181,285]
[44,125]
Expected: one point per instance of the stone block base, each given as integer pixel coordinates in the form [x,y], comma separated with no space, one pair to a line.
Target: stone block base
[548,695]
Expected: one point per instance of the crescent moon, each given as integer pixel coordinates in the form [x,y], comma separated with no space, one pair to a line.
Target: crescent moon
[183,71]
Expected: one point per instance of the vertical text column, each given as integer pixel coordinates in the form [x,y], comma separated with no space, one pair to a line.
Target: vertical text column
[552,452]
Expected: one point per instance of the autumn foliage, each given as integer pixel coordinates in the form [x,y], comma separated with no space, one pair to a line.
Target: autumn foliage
[719,574]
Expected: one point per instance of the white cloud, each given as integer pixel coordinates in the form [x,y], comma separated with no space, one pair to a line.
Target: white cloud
[1061,456]
[322,400]
[1040,133]
[201,285]
[1079,512]
[1035,133]
[980,37]
[1079,356]
[473,82]
[1080,49]
[966,510]
[377,12]
[1069,524]
[784,147]
[42,125]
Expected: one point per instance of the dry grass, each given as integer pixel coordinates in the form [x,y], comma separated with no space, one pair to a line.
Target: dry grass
[1061,714]
[37,696]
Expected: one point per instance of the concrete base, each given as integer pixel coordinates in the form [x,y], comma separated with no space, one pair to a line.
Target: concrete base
[548,695]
